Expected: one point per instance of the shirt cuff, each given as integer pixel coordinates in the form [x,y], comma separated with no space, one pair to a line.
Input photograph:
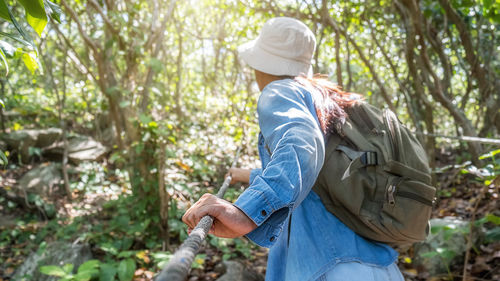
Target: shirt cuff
[265,235]
[268,232]
[255,205]
[270,221]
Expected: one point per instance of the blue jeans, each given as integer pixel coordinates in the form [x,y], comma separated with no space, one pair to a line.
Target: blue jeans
[355,271]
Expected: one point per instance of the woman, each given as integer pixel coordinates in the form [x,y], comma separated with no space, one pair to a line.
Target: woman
[279,210]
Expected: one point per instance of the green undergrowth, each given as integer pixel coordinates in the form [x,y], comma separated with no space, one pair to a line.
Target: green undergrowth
[124,237]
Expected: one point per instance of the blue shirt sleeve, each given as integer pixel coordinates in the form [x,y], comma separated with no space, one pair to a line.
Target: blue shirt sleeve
[292,135]
[254,173]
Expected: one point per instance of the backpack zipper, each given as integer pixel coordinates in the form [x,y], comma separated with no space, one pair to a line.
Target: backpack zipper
[390,125]
[415,197]
[392,192]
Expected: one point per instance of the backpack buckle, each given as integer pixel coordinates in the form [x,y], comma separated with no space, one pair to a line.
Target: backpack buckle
[369,158]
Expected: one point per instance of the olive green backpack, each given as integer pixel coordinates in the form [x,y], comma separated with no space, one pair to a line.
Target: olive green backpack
[376,178]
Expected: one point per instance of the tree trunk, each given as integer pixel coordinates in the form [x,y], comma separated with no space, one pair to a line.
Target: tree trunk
[432,80]
[487,79]
[64,130]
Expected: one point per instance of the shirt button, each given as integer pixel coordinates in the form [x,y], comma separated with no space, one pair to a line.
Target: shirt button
[263,213]
[272,238]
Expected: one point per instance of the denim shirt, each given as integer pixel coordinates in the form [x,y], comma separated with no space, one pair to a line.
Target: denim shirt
[291,148]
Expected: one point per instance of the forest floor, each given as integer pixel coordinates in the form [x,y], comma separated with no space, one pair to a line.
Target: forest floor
[461,195]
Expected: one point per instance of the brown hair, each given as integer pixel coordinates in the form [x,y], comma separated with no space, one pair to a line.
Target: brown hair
[330,101]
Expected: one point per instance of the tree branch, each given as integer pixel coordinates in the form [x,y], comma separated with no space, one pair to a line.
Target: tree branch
[75,54]
[93,45]
[158,43]
[108,23]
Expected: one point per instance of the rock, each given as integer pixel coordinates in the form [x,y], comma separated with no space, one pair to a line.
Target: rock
[80,149]
[11,115]
[7,221]
[48,136]
[22,140]
[42,180]
[236,271]
[85,149]
[35,189]
[3,145]
[445,245]
[56,253]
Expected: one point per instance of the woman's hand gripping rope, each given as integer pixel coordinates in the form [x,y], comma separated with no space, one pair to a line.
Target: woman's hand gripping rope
[229,221]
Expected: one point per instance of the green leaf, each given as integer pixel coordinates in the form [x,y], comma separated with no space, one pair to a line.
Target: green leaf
[20,29]
[90,265]
[87,270]
[35,14]
[107,272]
[7,49]
[126,270]
[53,270]
[34,7]
[4,62]
[68,268]
[84,276]
[53,10]
[3,159]
[489,154]
[493,235]
[446,253]
[107,247]
[34,151]
[126,254]
[162,258]
[145,119]
[18,39]
[429,254]
[487,3]
[37,24]
[494,219]
[481,221]
[30,62]
[4,10]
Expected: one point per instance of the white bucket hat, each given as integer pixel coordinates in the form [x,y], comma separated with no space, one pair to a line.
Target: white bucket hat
[285,46]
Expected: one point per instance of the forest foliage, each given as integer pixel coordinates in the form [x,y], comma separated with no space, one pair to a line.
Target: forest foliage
[161,84]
